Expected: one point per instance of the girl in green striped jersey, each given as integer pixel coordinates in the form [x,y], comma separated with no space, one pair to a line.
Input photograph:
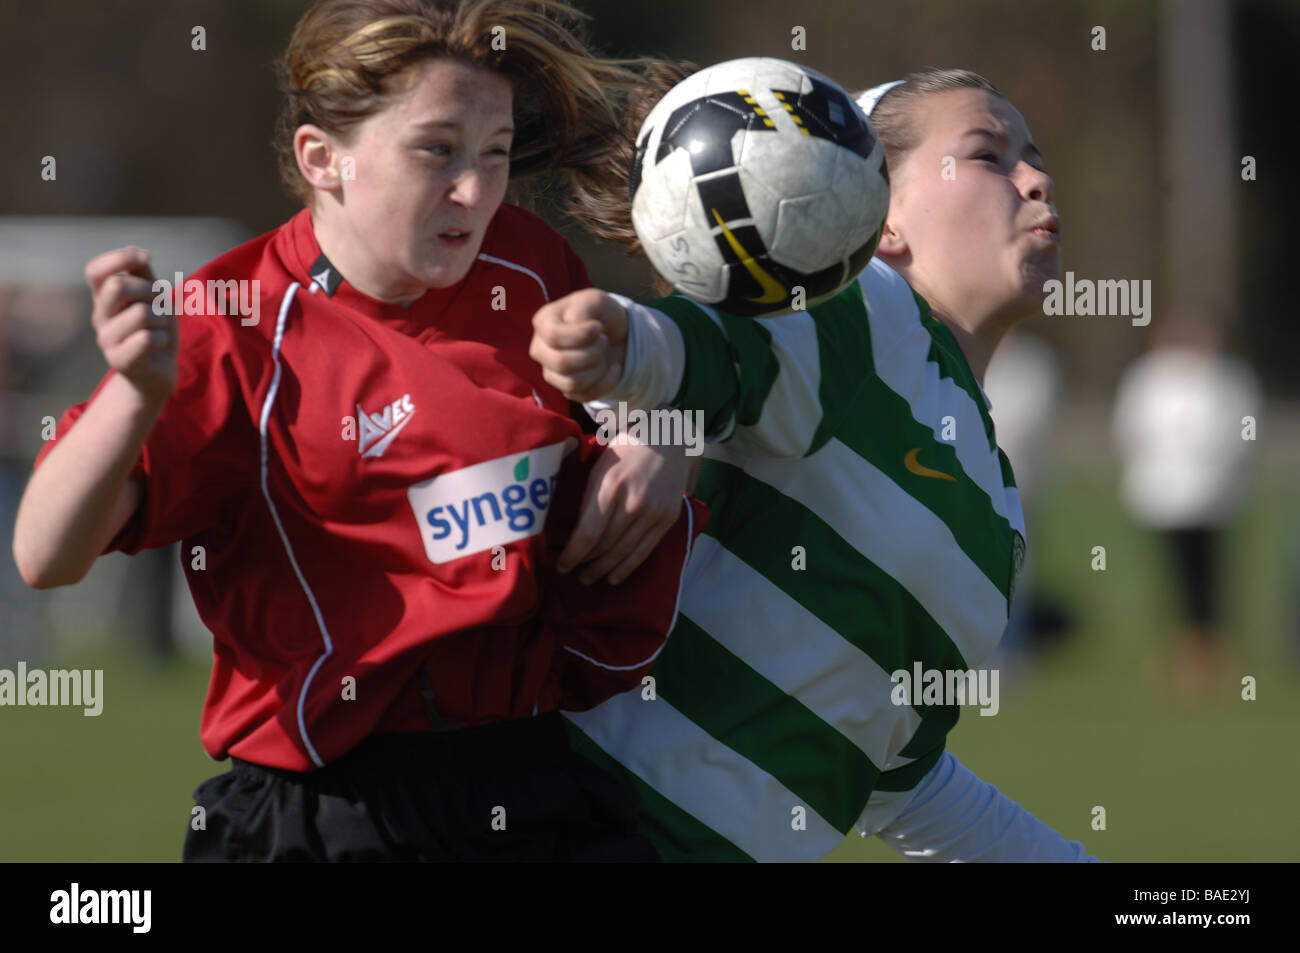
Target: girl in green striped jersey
[865,529]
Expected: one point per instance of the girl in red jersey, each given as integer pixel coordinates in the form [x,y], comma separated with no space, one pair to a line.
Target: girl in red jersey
[375,471]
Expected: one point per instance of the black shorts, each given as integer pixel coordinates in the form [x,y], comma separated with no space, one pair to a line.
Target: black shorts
[513,791]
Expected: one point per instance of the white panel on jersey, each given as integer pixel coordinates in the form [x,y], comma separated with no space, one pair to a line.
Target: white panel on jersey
[792,411]
[889,527]
[797,652]
[900,347]
[717,320]
[707,779]
[1015,515]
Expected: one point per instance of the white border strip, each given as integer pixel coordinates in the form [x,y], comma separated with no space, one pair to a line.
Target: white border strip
[681,579]
[527,271]
[284,537]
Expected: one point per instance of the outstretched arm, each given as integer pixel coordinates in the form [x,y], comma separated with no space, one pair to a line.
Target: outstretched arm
[954,817]
[82,495]
[634,493]
[761,383]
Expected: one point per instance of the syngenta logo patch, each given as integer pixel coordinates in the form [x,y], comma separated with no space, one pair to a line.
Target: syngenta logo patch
[491,503]
[379,429]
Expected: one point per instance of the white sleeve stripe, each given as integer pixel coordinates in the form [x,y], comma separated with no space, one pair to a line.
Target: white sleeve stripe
[527,271]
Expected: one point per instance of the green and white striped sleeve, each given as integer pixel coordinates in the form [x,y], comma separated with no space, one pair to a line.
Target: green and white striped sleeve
[766,385]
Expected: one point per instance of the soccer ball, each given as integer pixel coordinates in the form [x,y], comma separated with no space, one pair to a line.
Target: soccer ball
[758,186]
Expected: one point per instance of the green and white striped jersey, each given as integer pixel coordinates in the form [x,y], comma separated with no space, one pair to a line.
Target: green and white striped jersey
[862,520]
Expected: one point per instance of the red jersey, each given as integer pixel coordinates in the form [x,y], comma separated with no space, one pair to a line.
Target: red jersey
[378,488]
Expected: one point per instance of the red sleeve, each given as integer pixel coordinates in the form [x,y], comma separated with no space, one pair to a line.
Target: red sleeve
[609,636]
[201,452]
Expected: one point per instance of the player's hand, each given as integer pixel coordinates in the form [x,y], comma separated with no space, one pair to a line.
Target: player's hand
[633,497]
[581,342]
[137,343]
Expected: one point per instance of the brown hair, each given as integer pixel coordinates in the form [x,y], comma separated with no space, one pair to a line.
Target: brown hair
[602,202]
[895,114]
[348,59]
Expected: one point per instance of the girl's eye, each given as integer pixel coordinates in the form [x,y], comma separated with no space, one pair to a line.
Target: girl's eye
[437,149]
[986,156]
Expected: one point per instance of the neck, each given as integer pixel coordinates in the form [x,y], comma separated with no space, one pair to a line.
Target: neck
[977,340]
[355,266]
[977,327]
[978,331]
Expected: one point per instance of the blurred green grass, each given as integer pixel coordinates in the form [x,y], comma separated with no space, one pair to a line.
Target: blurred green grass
[1093,723]
[113,787]
[1099,721]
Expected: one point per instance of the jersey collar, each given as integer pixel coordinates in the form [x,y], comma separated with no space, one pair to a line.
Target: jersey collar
[309,265]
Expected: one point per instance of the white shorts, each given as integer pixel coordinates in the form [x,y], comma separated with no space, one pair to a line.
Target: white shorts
[954,817]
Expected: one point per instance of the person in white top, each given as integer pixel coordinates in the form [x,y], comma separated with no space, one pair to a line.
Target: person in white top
[1185,416]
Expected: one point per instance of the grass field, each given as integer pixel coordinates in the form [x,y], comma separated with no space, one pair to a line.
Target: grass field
[1098,722]
[1094,723]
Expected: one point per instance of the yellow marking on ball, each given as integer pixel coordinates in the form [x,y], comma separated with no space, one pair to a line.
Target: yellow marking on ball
[772,290]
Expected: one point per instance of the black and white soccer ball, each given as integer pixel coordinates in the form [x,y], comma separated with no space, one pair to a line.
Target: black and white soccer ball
[758,186]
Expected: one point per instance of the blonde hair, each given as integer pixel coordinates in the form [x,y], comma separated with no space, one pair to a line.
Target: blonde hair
[349,59]
[896,113]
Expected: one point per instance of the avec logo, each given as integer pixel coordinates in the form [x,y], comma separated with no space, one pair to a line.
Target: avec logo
[488,504]
[379,429]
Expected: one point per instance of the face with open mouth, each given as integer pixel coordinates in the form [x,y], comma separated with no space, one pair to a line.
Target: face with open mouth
[431,171]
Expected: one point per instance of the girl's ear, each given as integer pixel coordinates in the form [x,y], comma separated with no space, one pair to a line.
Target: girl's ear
[892,244]
[316,156]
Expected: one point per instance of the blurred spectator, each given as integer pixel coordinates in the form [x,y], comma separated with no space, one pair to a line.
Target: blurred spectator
[1184,443]
[1024,385]
[47,357]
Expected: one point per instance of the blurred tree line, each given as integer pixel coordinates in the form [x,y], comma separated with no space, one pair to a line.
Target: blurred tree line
[142,124]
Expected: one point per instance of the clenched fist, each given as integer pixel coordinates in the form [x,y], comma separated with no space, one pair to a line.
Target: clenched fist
[581,342]
[137,343]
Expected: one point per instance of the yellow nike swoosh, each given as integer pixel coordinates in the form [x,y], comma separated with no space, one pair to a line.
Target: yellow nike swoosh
[772,290]
[921,470]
